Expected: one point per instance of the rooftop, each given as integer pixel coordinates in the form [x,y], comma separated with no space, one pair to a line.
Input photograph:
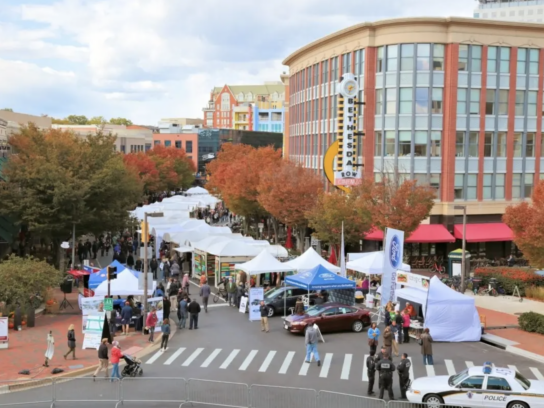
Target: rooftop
[267,89]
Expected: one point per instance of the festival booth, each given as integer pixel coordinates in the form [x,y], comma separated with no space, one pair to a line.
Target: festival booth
[97,278]
[125,284]
[197,191]
[309,260]
[263,266]
[229,253]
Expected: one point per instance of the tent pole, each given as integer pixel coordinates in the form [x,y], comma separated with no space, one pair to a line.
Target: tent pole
[284,300]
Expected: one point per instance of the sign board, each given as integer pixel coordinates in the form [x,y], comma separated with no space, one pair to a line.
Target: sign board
[243,304]
[255,297]
[393,256]
[96,329]
[141,282]
[90,306]
[108,304]
[456,269]
[413,280]
[4,333]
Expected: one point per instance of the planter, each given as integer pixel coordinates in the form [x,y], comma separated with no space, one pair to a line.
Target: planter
[52,308]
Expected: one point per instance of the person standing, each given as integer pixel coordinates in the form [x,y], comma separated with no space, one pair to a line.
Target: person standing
[102,358]
[231,292]
[115,358]
[50,348]
[205,294]
[166,305]
[299,307]
[311,340]
[94,248]
[185,283]
[150,323]
[153,265]
[126,317]
[371,371]
[405,327]
[388,340]
[165,329]
[183,312]
[397,335]
[264,316]
[385,367]
[173,293]
[175,269]
[130,260]
[71,342]
[404,374]
[373,336]
[425,341]
[194,310]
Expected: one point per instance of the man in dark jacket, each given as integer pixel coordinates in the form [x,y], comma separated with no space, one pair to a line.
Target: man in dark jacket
[371,371]
[126,317]
[103,358]
[386,367]
[130,260]
[153,265]
[166,305]
[404,374]
[264,316]
[194,310]
[205,294]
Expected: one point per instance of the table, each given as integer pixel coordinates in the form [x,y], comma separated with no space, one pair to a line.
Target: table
[416,328]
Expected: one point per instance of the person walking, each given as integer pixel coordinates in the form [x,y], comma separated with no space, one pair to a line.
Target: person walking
[175,270]
[264,316]
[311,340]
[194,310]
[385,367]
[425,341]
[50,348]
[371,371]
[165,329]
[388,340]
[150,323]
[126,317]
[183,312]
[404,374]
[185,283]
[373,336]
[153,265]
[102,358]
[71,342]
[115,358]
[94,248]
[396,332]
[231,292]
[205,294]
[405,327]
[173,293]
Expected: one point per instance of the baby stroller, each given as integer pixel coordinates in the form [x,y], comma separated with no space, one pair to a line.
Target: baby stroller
[132,369]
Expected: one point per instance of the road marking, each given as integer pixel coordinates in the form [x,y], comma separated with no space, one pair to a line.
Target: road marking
[326,365]
[537,374]
[211,358]
[305,367]
[430,371]
[365,371]
[174,356]
[192,357]
[512,367]
[470,364]
[155,357]
[450,367]
[229,359]
[267,361]
[286,362]
[346,367]
[411,369]
[248,360]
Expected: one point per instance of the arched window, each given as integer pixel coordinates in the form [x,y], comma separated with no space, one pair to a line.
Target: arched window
[249,96]
[225,102]
[240,96]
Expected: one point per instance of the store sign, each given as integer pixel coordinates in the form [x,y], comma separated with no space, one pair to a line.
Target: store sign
[394,249]
[413,280]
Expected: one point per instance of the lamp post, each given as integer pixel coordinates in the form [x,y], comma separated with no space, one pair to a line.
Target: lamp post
[463,260]
[145,232]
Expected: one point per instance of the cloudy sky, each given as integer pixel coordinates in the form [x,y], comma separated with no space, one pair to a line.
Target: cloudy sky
[150,59]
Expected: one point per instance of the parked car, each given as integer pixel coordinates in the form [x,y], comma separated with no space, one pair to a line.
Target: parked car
[274,298]
[330,317]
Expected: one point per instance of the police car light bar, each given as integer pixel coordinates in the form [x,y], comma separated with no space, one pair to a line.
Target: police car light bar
[487,367]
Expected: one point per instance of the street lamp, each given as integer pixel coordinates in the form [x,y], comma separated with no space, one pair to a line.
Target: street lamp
[463,261]
[146,238]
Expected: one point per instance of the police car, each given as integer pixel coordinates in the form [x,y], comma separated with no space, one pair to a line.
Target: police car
[484,386]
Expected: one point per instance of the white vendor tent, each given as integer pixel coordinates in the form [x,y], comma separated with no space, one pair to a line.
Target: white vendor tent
[309,260]
[232,248]
[197,191]
[371,263]
[278,251]
[126,284]
[263,263]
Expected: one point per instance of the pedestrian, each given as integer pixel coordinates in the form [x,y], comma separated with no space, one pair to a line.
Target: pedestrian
[194,310]
[425,341]
[231,291]
[405,327]
[183,312]
[153,265]
[299,307]
[373,336]
[205,294]
[203,279]
[165,329]
[166,268]
[138,265]
[126,317]
[102,358]
[151,322]
[130,260]
[404,374]
[94,248]
[113,322]
[388,340]
[185,283]
[166,305]
[264,316]
[173,293]
[115,358]
[239,294]
[385,367]
[396,334]
[50,348]
[175,270]
[371,371]
[381,355]
[71,342]
[311,340]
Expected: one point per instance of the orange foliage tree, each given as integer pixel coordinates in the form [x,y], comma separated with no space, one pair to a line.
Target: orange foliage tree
[146,169]
[527,222]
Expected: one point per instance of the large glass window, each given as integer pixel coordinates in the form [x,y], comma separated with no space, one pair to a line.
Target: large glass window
[463,57]
[499,186]
[434,181]
[358,69]
[474,101]
[473,144]
[378,139]
[516,185]
[436,142]
[379,101]
[504,66]
[325,72]
[522,61]
[405,143]
[490,102]
[436,104]
[391,100]
[406,99]
[346,63]
[488,144]
[380,64]
[423,57]
[492,59]
[501,144]
[460,144]
[530,145]
[438,57]
[334,71]
[517,144]
[390,143]
[533,61]
[528,185]
[503,102]
[392,58]
[461,101]
[420,144]
[459,186]
[422,100]
[531,103]
[488,184]
[520,103]
[324,108]
[407,57]
[472,180]
[178,144]
[476,60]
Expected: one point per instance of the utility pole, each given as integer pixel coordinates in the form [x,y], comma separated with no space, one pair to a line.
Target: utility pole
[74,247]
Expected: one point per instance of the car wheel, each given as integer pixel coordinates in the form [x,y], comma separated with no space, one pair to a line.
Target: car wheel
[357,326]
[433,401]
[518,404]
[271,311]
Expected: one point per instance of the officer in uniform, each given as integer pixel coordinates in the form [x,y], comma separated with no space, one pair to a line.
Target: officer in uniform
[404,374]
[386,368]
[371,371]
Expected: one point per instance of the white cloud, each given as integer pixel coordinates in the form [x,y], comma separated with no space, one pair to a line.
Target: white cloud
[150,59]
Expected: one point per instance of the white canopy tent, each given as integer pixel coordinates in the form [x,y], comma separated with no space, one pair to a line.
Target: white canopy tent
[126,284]
[196,191]
[233,248]
[371,263]
[265,262]
[278,251]
[183,249]
[308,260]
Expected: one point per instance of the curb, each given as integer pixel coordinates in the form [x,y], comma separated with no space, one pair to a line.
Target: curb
[514,350]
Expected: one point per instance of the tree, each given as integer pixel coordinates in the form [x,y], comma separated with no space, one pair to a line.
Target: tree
[7,109]
[97,120]
[58,179]
[56,121]
[146,169]
[120,121]
[78,119]
[174,168]
[287,191]
[527,222]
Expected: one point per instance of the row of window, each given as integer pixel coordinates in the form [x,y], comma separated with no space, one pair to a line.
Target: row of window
[402,100]
[423,142]
[420,57]
[178,144]
[465,187]
[496,102]
[274,127]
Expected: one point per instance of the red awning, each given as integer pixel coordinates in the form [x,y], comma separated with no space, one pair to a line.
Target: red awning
[77,273]
[425,233]
[484,232]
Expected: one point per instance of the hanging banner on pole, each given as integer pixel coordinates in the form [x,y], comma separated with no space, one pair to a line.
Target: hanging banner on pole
[255,297]
[393,255]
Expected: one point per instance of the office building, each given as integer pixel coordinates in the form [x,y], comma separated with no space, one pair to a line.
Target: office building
[527,11]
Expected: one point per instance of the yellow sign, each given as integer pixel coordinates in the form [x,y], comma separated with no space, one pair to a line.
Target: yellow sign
[328,164]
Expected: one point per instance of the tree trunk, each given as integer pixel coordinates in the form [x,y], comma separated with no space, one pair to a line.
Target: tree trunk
[275,227]
[301,234]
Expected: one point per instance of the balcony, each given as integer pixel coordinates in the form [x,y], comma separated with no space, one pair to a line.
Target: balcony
[209,107]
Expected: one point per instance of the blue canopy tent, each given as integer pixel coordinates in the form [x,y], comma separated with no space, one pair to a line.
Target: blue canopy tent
[97,278]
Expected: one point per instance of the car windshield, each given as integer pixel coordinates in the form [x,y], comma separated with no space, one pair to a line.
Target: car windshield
[457,378]
[273,292]
[315,310]
[524,382]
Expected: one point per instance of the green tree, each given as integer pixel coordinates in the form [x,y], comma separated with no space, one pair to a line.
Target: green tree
[7,109]
[97,120]
[120,121]
[58,179]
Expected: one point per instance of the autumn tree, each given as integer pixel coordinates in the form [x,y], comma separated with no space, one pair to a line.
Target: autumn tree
[527,222]
[143,165]
[175,169]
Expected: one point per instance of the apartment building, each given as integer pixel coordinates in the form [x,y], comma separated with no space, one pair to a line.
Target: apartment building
[528,11]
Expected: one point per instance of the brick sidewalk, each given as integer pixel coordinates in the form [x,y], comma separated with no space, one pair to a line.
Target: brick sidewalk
[497,319]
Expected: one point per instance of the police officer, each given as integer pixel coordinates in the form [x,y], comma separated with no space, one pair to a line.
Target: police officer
[386,368]
[380,356]
[404,374]
[371,371]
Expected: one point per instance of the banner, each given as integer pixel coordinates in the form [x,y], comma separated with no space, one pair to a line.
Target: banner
[243,304]
[90,306]
[4,324]
[96,329]
[255,297]
[413,280]
[156,303]
[393,255]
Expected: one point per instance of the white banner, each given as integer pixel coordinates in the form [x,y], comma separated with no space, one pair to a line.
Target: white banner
[413,280]
[255,297]
[4,333]
[243,304]
[89,306]
[393,255]
[93,330]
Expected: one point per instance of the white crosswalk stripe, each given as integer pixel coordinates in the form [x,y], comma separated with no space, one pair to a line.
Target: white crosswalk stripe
[229,359]
[192,357]
[430,371]
[174,356]
[365,372]
[248,360]
[267,361]
[537,373]
[210,358]
[469,364]
[450,367]
[346,367]
[155,357]
[304,368]
[286,363]
[326,365]
[512,367]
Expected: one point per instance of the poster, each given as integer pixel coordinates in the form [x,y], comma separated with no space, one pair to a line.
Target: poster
[200,265]
[393,256]
[243,304]
[228,269]
[413,280]
[94,330]
[255,297]
[4,324]
[210,265]
[90,306]
[156,303]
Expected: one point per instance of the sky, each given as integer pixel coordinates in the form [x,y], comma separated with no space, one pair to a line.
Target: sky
[150,59]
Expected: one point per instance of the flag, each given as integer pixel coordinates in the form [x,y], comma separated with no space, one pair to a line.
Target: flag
[342,255]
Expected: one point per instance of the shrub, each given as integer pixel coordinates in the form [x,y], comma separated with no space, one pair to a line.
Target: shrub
[535,292]
[509,278]
[531,322]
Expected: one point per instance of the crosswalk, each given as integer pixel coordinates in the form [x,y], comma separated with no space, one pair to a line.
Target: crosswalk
[345,366]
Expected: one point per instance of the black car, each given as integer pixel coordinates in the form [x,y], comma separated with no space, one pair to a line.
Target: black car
[274,299]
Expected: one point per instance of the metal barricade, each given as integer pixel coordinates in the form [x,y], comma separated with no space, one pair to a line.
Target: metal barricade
[328,399]
[268,396]
[87,389]
[153,390]
[27,392]
[407,404]
[224,394]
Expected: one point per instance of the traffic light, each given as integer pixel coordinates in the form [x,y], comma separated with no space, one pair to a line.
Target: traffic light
[112,272]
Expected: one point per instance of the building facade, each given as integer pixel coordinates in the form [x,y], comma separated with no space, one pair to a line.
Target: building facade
[462,113]
[185,141]
[527,11]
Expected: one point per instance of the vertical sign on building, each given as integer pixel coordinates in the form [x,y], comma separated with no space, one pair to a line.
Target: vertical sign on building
[393,255]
